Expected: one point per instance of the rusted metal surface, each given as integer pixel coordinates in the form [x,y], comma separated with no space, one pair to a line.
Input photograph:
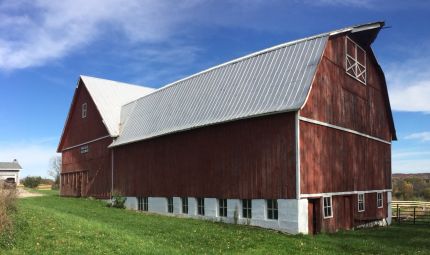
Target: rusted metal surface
[251,158]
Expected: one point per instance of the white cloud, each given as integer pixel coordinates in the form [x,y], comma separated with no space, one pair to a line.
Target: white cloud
[33,156]
[409,83]
[422,136]
[52,29]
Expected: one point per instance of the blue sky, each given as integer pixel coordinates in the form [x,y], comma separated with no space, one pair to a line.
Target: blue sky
[46,45]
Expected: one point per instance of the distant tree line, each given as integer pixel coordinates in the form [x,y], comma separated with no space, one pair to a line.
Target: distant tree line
[411,188]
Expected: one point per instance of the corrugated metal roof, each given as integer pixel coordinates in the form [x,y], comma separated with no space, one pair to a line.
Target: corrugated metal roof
[109,96]
[274,80]
[10,165]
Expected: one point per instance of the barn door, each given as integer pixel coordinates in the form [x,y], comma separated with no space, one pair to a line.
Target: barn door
[314,216]
[349,217]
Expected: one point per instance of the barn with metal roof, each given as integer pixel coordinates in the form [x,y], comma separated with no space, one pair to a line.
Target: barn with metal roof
[296,137]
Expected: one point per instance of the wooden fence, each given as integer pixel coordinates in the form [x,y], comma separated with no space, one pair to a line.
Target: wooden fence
[411,212]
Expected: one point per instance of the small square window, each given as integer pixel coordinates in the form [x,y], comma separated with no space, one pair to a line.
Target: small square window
[272,209]
[247,208]
[222,203]
[200,206]
[328,208]
[84,149]
[84,110]
[361,207]
[170,204]
[142,203]
[379,200]
[184,201]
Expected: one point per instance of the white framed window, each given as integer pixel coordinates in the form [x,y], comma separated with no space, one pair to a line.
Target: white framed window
[361,207]
[272,209]
[327,207]
[222,205]
[247,208]
[85,149]
[142,203]
[355,60]
[84,110]
[200,206]
[379,200]
[170,204]
[184,201]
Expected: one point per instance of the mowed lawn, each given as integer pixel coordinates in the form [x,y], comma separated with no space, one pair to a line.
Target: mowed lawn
[55,225]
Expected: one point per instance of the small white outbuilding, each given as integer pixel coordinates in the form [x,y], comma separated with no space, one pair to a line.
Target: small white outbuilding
[9,171]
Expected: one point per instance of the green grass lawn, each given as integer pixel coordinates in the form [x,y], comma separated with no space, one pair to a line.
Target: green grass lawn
[54,225]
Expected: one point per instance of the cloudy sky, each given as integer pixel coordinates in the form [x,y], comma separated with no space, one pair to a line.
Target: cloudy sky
[46,45]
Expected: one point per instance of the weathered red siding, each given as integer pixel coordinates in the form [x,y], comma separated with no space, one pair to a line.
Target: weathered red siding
[87,174]
[251,158]
[347,216]
[334,160]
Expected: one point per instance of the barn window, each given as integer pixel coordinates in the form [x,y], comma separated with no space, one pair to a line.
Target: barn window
[184,201]
[247,208]
[222,207]
[170,204]
[272,209]
[142,203]
[355,60]
[84,110]
[379,200]
[328,208]
[200,206]
[361,202]
[84,149]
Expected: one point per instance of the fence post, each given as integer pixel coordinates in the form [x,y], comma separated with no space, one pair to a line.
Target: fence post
[398,214]
[414,214]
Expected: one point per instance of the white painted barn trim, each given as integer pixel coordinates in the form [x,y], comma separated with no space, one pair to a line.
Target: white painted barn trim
[79,145]
[317,122]
[297,124]
[343,193]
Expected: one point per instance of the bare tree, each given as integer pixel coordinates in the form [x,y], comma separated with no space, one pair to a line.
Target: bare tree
[55,170]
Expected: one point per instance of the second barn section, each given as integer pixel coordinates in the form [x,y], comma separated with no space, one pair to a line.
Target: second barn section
[296,138]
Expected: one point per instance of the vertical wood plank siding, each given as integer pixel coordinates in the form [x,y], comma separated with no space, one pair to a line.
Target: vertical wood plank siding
[250,158]
[87,174]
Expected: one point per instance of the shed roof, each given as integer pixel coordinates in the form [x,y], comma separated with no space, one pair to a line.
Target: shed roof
[14,165]
[109,96]
[273,80]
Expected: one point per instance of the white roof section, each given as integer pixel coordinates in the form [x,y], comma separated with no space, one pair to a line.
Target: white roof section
[270,81]
[109,96]
[14,165]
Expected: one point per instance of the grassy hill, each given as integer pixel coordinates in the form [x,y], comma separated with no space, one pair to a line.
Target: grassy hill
[55,225]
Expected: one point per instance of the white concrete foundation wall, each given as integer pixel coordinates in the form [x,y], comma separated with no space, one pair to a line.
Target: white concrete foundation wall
[177,205]
[131,203]
[157,204]
[292,213]
[211,207]
[192,206]
[390,212]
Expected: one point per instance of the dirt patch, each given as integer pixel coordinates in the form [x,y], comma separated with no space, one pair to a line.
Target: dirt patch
[25,193]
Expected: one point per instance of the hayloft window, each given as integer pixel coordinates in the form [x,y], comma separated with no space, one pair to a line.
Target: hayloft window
[272,209]
[200,206]
[84,149]
[247,208]
[328,208]
[361,202]
[184,201]
[84,110]
[355,60]
[222,203]
[379,200]
[170,204]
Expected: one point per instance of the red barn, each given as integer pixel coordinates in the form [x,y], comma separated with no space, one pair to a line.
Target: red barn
[296,137]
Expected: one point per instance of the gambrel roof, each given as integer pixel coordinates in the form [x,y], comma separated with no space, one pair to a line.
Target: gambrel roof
[274,80]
